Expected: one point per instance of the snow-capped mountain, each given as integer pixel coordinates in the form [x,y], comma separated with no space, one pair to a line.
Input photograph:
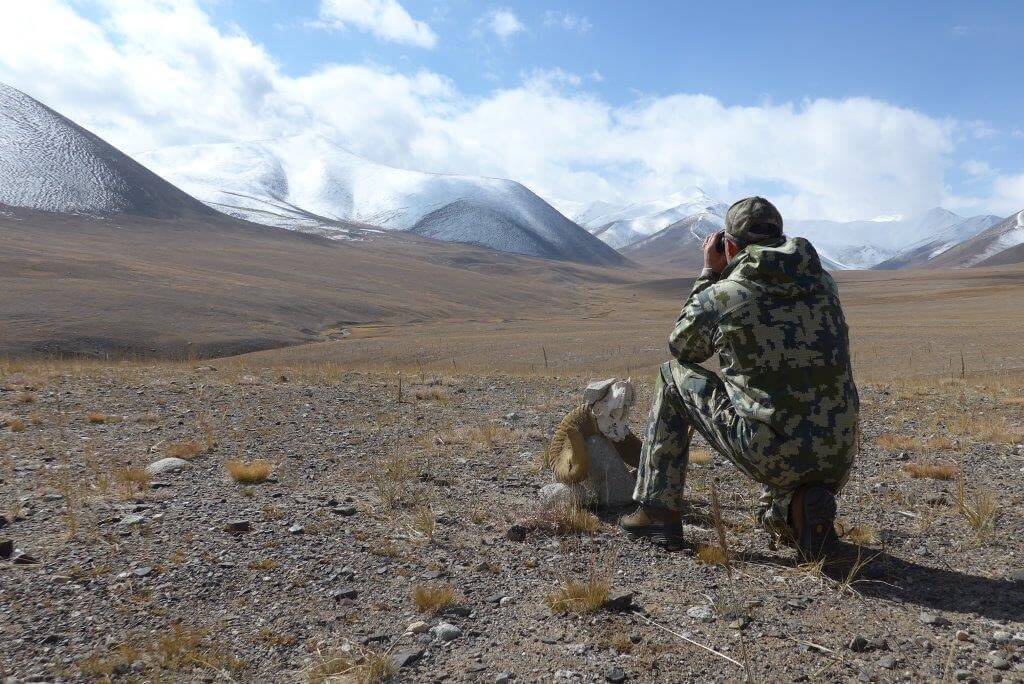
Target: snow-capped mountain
[623,225]
[999,245]
[50,163]
[678,245]
[920,253]
[308,181]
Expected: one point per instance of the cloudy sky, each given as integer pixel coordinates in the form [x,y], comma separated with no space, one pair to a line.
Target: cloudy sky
[836,110]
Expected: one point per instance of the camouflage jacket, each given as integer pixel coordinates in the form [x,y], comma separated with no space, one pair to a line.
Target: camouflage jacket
[774,318]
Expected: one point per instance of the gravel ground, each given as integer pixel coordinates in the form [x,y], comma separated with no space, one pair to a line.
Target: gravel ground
[192,575]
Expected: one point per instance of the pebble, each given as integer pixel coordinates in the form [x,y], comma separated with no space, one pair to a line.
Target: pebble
[166,465]
[407,658]
[506,601]
[445,631]
[1001,636]
[418,627]
[143,571]
[296,529]
[932,619]
[998,662]
[962,635]
[858,644]
[133,519]
[503,678]
[887,662]
[346,593]
[961,675]
[701,613]
[238,526]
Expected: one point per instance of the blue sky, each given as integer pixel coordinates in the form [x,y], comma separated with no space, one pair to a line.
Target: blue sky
[865,108]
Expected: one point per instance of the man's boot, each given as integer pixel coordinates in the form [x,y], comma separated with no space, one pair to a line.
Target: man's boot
[657,523]
[812,515]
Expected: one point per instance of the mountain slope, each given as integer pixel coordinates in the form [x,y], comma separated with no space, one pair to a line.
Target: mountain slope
[999,245]
[679,245]
[50,163]
[922,252]
[308,183]
[620,226]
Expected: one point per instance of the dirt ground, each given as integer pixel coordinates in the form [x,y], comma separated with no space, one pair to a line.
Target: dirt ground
[379,496]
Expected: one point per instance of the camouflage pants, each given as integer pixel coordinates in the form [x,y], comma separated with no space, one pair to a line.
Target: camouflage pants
[688,395]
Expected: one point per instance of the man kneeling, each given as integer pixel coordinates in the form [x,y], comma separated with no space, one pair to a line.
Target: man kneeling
[784,410]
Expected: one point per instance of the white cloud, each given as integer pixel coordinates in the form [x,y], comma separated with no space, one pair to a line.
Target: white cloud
[153,73]
[386,19]
[976,168]
[567,21]
[503,23]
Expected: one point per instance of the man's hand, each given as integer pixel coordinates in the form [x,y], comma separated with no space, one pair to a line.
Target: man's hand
[713,259]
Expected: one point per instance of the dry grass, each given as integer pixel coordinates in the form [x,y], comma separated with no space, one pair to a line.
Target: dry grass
[711,555]
[176,651]
[424,522]
[862,535]
[621,642]
[931,471]
[565,520]
[25,398]
[435,393]
[249,472]
[432,598]
[980,509]
[895,442]
[13,424]
[700,456]
[580,597]
[264,565]
[489,434]
[362,666]
[185,450]
[132,479]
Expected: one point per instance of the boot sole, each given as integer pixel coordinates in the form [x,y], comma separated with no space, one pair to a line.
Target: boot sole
[818,537]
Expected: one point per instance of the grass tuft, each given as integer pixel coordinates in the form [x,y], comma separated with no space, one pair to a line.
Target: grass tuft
[894,442]
[711,555]
[249,472]
[360,667]
[931,471]
[185,450]
[97,418]
[979,509]
[700,456]
[580,597]
[432,598]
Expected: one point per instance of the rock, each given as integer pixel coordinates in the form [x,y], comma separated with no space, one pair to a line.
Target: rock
[858,644]
[932,619]
[740,622]
[620,602]
[1001,636]
[495,599]
[4,522]
[6,549]
[347,593]
[296,529]
[22,558]
[503,678]
[701,613]
[516,533]
[1018,639]
[961,675]
[962,635]
[237,526]
[887,662]
[609,482]
[133,520]
[418,627]
[445,631]
[144,571]
[166,465]
[1017,576]
[558,495]
[344,511]
[506,601]
[404,659]
[998,662]
[615,674]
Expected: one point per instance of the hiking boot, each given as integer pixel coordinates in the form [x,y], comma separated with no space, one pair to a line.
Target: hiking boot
[812,515]
[661,525]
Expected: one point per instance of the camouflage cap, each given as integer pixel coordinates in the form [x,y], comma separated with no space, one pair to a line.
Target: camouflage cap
[753,219]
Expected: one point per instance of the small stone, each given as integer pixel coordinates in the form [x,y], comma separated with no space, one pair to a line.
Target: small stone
[6,548]
[296,529]
[346,593]
[418,627]
[516,533]
[1001,636]
[503,678]
[404,659]
[143,571]
[887,662]
[701,613]
[166,465]
[506,601]
[961,675]
[344,511]
[133,520]
[962,635]
[858,644]
[739,622]
[24,559]
[4,522]
[237,526]
[495,599]
[615,674]
[1017,576]
[620,602]
[445,631]
[1018,639]
[933,619]
[998,662]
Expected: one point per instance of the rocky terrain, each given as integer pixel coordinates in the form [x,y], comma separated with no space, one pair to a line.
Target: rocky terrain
[396,535]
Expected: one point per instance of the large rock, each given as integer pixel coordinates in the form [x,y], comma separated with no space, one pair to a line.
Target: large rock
[166,465]
[558,495]
[609,482]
